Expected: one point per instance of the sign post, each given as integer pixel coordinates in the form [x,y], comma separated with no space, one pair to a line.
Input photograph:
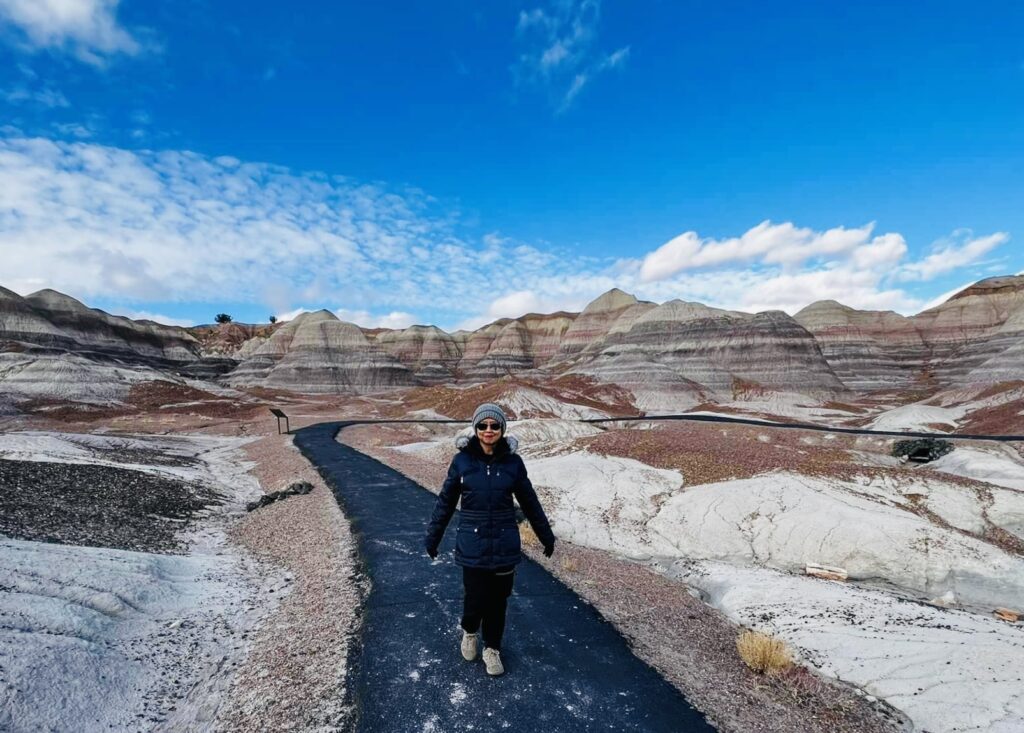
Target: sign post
[279,415]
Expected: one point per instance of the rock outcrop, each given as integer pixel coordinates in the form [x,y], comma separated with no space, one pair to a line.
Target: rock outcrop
[706,352]
[54,348]
[317,353]
[514,346]
[430,353]
[232,340]
[52,320]
[973,336]
[615,311]
[670,356]
[867,350]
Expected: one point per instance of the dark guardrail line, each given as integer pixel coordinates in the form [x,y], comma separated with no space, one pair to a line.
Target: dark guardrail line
[805,426]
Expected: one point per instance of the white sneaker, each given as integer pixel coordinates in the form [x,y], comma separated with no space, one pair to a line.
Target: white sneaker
[492,659]
[468,646]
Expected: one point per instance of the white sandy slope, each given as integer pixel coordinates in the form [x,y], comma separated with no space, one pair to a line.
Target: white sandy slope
[948,670]
[213,460]
[990,462]
[95,639]
[91,638]
[919,418]
[763,531]
[527,403]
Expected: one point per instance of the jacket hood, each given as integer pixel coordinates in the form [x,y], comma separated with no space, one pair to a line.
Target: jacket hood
[462,442]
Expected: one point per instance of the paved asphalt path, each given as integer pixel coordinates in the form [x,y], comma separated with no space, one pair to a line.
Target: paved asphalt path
[566,668]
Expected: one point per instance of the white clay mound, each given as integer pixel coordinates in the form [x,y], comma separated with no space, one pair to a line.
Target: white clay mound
[949,671]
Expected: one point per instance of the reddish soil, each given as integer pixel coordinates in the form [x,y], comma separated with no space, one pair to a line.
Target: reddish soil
[711,453]
[460,403]
[1005,419]
[225,338]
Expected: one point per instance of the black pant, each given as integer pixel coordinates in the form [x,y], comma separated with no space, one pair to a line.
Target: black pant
[487,592]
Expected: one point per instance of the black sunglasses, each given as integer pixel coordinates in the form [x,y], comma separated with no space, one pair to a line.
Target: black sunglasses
[488,426]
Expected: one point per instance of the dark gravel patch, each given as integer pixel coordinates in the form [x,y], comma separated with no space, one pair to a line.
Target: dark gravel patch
[98,506]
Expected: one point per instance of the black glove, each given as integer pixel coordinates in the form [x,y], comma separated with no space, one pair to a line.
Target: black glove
[432,551]
[549,550]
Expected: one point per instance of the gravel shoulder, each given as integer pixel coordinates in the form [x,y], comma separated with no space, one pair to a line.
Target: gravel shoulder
[121,509]
[688,642]
[282,652]
[295,675]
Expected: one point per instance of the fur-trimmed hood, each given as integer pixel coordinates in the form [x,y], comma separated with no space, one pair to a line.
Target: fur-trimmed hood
[462,442]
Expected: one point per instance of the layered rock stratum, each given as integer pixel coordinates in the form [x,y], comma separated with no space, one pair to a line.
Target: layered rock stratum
[669,356]
[866,349]
[974,337]
[318,353]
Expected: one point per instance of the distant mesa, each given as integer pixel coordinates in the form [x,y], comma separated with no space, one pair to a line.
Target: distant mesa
[670,356]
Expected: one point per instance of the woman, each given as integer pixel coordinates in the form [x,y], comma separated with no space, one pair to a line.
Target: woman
[486,473]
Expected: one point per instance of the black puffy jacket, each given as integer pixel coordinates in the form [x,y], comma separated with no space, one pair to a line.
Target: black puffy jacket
[488,536]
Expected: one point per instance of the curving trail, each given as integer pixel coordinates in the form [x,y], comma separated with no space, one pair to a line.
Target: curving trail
[567,669]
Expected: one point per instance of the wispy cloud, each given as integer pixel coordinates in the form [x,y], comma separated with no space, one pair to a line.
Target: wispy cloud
[559,53]
[44,97]
[769,267]
[394,319]
[952,253]
[142,227]
[88,29]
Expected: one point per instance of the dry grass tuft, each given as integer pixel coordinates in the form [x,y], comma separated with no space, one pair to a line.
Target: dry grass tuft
[527,535]
[570,565]
[762,653]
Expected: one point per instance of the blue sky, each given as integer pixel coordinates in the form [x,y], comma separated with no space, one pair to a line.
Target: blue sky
[453,162]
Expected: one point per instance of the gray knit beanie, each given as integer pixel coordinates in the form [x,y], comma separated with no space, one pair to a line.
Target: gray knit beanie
[491,410]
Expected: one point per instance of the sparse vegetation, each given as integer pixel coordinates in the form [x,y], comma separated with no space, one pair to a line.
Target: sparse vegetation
[570,565]
[273,319]
[223,318]
[762,653]
[527,535]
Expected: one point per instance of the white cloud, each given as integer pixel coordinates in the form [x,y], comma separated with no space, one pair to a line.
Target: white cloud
[558,49]
[563,293]
[158,317]
[394,319]
[292,314]
[770,244]
[959,250]
[87,28]
[141,226]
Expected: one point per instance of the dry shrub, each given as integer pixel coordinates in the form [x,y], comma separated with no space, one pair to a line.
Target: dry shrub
[570,565]
[527,535]
[763,653]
